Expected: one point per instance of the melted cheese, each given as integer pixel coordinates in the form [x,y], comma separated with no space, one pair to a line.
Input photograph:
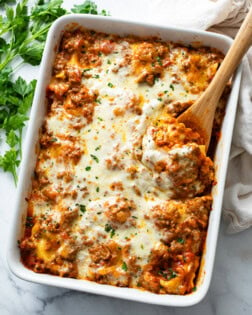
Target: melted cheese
[100,170]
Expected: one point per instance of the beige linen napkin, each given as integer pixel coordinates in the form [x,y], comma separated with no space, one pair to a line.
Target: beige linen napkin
[237,203]
[224,16]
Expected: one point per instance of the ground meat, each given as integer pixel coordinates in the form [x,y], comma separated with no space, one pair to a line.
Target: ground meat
[183,223]
[99,253]
[60,62]
[74,73]
[116,186]
[190,173]
[72,41]
[167,132]
[119,211]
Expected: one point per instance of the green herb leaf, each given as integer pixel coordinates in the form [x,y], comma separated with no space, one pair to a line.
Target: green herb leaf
[2,2]
[159,61]
[108,227]
[172,275]
[14,122]
[95,158]
[85,70]
[26,103]
[12,139]
[112,233]
[32,52]
[88,7]
[124,266]
[53,140]
[9,162]
[83,208]
[180,240]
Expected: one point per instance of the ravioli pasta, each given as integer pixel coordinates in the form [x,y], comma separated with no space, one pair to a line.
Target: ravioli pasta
[121,192]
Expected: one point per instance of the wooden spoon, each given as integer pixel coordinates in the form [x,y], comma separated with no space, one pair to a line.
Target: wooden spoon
[200,115]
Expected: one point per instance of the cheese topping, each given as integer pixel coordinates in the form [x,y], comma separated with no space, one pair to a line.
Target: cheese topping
[121,190]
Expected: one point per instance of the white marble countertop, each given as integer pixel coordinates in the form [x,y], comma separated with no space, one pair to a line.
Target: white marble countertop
[230,292]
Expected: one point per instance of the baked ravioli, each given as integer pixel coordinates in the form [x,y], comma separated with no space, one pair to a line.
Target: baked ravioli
[121,191]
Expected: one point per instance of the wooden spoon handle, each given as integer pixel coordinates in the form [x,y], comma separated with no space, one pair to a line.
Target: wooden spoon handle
[239,47]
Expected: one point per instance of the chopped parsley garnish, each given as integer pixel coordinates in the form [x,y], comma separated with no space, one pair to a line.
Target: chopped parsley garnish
[98,101]
[88,168]
[96,76]
[95,158]
[98,148]
[108,62]
[159,61]
[172,86]
[85,70]
[194,289]
[160,99]
[83,208]
[53,140]
[164,274]
[108,228]
[172,275]
[110,85]
[99,118]
[166,91]
[112,233]
[180,240]
[97,189]
[124,266]
[134,217]
[29,222]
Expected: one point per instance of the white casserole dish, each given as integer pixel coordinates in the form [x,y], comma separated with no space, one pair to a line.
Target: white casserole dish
[110,25]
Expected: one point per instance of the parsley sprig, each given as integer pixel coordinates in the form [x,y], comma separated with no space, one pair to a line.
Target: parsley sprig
[22,38]
[88,7]
[15,100]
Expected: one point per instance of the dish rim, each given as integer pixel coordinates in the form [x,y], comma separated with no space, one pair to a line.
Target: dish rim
[13,258]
